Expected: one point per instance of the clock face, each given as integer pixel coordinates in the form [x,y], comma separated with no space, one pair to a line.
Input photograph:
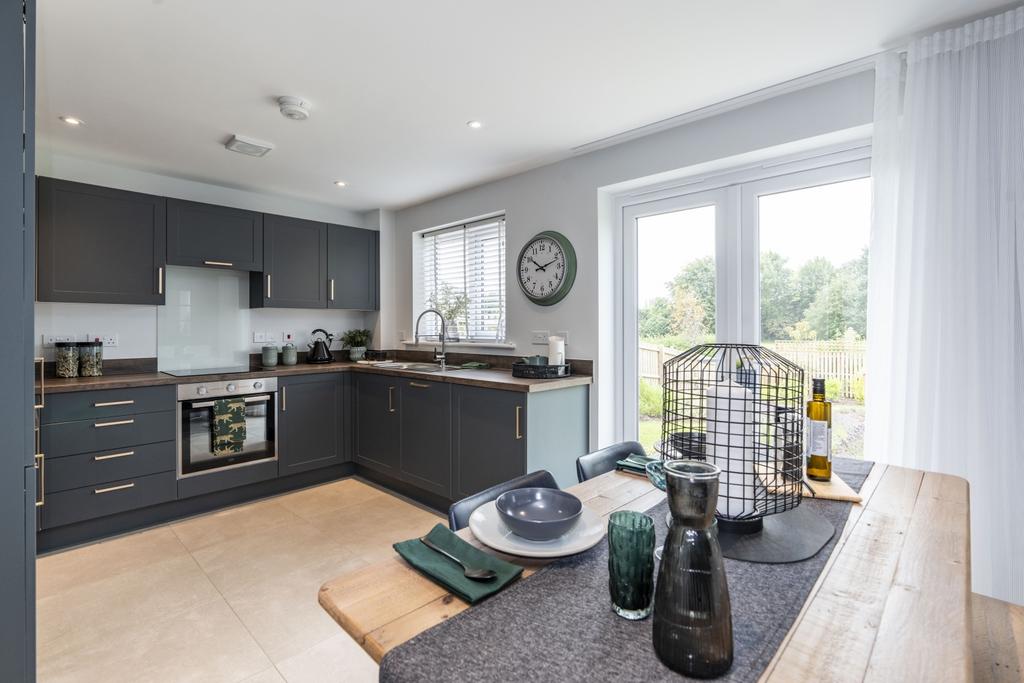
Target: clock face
[546,268]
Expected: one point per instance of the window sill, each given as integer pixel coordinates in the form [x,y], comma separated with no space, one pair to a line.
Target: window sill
[460,344]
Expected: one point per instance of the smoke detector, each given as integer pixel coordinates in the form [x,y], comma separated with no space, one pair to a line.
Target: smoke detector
[248,146]
[294,108]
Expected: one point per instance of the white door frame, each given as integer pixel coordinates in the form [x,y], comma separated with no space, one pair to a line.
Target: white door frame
[734,193]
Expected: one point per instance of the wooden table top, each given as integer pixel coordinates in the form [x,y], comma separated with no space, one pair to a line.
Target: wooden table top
[893,602]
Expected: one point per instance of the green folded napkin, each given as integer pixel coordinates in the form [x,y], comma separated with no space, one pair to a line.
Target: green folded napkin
[635,463]
[448,574]
[475,365]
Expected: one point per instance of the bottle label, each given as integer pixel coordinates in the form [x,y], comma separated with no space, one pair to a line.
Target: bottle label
[819,438]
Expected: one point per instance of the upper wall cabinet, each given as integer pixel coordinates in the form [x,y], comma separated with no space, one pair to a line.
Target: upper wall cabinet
[100,245]
[213,236]
[353,256]
[294,265]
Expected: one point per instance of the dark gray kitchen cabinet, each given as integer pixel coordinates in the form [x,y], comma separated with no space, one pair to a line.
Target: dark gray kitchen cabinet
[310,411]
[488,438]
[18,478]
[378,423]
[353,257]
[426,455]
[207,235]
[294,265]
[100,245]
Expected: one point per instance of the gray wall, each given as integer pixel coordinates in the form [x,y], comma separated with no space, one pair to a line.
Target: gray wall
[566,196]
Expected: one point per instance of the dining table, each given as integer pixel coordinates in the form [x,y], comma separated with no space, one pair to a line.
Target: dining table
[892,603]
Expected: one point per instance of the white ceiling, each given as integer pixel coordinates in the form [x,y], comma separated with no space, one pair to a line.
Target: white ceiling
[162,83]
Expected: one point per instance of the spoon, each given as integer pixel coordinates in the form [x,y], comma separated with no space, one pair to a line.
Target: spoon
[474,573]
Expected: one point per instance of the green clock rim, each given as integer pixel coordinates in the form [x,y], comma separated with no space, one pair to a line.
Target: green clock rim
[570,268]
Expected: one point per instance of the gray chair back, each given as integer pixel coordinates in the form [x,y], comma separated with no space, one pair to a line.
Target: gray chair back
[597,463]
[459,512]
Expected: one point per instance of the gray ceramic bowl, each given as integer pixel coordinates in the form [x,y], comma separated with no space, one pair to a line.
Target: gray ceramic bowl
[539,514]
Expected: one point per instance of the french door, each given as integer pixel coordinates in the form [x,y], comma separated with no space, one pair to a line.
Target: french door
[772,255]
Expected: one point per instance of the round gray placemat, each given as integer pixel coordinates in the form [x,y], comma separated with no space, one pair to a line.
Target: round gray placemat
[557,625]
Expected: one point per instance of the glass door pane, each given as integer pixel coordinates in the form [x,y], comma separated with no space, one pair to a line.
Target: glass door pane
[813,253]
[677,294]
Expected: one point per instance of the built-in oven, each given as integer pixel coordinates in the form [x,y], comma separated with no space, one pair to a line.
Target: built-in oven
[245,410]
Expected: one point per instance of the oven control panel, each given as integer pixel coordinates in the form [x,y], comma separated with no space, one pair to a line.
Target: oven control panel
[240,387]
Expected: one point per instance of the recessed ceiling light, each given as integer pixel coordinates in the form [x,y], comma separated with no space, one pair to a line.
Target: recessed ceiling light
[72,120]
[341,183]
[475,124]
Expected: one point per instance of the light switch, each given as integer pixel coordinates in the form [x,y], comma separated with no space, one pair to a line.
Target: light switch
[540,337]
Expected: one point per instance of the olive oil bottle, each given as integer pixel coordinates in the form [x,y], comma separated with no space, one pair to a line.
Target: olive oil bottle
[819,433]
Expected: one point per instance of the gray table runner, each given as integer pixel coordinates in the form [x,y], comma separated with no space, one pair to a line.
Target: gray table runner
[557,625]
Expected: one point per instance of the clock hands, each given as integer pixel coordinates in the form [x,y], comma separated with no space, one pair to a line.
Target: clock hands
[539,266]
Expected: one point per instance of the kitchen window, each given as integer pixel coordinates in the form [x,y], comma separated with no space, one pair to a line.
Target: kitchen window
[462,274]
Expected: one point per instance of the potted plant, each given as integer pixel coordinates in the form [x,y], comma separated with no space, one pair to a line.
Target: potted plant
[356,341]
[453,305]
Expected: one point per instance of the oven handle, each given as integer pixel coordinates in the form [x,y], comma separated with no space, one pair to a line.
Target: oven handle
[248,399]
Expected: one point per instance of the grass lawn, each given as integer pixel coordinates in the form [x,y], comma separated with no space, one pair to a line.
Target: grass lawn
[650,434]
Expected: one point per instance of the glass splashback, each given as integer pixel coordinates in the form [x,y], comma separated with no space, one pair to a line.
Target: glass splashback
[206,320]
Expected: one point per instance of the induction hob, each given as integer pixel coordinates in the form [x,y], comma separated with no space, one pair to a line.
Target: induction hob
[194,372]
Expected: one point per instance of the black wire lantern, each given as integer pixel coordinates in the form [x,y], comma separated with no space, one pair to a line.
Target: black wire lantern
[741,408]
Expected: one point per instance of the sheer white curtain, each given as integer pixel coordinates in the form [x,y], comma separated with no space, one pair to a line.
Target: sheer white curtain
[946,295]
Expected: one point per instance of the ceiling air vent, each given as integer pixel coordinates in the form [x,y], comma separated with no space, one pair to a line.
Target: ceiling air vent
[248,146]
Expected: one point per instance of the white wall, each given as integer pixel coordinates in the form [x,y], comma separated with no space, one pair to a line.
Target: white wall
[136,326]
[567,196]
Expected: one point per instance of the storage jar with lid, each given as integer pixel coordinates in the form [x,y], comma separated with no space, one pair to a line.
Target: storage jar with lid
[90,358]
[66,357]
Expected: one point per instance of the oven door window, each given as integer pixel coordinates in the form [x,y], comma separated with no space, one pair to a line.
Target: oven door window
[197,435]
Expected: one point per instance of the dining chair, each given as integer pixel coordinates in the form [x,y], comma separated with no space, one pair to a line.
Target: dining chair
[597,463]
[459,512]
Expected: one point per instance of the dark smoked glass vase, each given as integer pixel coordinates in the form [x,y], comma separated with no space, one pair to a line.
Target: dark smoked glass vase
[692,614]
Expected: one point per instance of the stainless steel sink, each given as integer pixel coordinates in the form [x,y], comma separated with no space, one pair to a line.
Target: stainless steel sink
[413,367]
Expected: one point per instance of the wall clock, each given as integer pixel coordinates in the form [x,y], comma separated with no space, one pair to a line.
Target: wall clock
[547,268]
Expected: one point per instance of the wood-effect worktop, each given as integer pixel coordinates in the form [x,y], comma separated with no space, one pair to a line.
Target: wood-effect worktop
[490,379]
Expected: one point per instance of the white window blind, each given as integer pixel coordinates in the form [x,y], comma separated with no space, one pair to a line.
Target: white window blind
[463,276]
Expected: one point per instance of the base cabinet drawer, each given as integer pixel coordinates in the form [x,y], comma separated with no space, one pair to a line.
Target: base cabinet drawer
[76,505]
[101,434]
[87,469]
[100,405]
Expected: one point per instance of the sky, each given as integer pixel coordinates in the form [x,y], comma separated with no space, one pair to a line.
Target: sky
[832,221]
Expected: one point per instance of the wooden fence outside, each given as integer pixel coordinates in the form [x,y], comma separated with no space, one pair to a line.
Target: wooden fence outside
[840,361]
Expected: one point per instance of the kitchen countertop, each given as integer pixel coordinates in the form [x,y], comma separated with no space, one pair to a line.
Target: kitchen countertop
[491,379]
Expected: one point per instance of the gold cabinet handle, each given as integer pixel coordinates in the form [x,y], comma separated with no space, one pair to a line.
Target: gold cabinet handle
[284,399]
[268,285]
[332,289]
[111,489]
[419,385]
[42,383]
[114,423]
[111,456]
[160,280]
[108,404]
[519,430]
[391,403]
[226,264]
[41,466]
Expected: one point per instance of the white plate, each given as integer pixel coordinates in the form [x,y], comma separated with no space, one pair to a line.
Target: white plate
[486,525]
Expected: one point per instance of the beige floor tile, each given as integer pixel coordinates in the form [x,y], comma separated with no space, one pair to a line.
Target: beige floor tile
[338,494]
[338,658]
[268,676]
[206,643]
[258,556]
[205,530]
[119,602]
[282,613]
[71,568]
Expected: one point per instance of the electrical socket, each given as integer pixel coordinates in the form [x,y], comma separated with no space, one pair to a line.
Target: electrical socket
[540,336]
[259,337]
[288,337]
[109,339]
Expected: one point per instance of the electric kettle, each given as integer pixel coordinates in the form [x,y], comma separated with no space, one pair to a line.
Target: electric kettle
[320,349]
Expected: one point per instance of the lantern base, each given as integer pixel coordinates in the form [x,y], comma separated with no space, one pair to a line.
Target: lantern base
[790,536]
